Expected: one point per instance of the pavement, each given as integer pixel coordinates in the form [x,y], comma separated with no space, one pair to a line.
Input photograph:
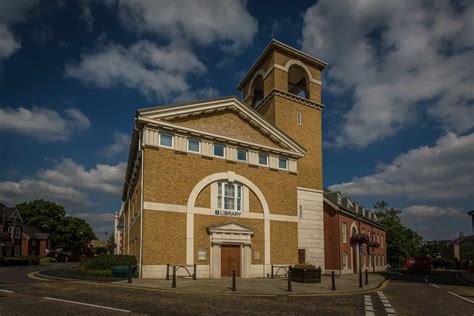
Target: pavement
[467,276]
[439,293]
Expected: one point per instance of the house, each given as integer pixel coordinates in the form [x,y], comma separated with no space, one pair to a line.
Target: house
[466,249]
[34,242]
[230,184]
[452,247]
[11,226]
[344,219]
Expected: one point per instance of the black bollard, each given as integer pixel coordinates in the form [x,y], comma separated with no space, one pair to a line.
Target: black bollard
[366,276]
[194,275]
[173,283]
[234,287]
[289,282]
[167,271]
[360,279]
[272,271]
[129,275]
[333,279]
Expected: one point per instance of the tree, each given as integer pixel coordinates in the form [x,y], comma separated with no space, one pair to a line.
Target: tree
[402,242]
[434,248]
[67,232]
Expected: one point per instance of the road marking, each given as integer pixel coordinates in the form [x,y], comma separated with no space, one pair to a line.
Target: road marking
[6,291]
[369,308]
[87,304]
[386,304]
[34,275]
[434,285]
[461,297]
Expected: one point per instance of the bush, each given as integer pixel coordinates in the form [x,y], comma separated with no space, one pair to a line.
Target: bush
[89,272]
[19,261]
[47,260]
[107,262]
[443,263]
[304,267]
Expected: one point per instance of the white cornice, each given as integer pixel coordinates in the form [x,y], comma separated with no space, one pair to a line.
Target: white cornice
[292,97]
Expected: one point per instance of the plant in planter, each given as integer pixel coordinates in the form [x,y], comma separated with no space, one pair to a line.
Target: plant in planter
[359,239]
[305,273]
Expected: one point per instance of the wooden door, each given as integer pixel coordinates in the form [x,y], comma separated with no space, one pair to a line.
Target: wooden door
[301,256]
[230,260]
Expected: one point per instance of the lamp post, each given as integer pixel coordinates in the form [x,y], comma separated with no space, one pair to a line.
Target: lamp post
[359,239]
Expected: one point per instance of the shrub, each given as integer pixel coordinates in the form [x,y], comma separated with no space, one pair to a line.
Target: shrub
[96,273]
[305,267]
[47,260]
[443,263]
[107,262]
[19,261]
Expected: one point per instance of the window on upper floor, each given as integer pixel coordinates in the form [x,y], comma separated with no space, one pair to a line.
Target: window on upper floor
[194,145]
[166,140]
[229,196]
[282,163]
[263,160]
[257,87]
[298,81]
[344,232]
[241,154]
[17,232]
[299,119]
[219,150]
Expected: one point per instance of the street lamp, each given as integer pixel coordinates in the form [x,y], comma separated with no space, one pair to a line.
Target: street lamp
[359,239]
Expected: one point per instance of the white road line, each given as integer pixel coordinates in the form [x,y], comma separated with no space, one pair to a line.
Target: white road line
[386,304]
[461,297]
[6,291]
[434,285]
[369,308]
[87,304]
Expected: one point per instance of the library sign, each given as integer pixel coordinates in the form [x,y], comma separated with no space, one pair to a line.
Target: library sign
[227,213]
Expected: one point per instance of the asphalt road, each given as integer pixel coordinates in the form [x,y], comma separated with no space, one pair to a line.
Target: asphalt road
[407,294]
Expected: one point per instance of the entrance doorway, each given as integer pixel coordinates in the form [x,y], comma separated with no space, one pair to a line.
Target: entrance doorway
[230,260]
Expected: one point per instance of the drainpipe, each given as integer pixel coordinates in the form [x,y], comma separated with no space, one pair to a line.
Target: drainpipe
[338,244]
[141,198]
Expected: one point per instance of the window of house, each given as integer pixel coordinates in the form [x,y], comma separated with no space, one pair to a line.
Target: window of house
[241,154]
[263,160]
[344,232]
[345,260]
[298,118]
[229,196]
[166,140]
[194,145]
[17,251]
[17,232]
[219,150]
[282,163]
[381,241]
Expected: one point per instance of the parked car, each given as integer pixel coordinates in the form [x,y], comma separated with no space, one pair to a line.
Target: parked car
[419,264]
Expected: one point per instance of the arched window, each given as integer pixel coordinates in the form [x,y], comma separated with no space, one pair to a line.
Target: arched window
[298,81]
[257,87]
[354,231]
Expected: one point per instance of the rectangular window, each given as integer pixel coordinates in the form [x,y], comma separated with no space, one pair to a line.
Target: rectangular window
[17,251]
[263,160]
[344,232]
[194,145]
[381,241]
[166,140]
[345,260]
[17,232]
[229,196]
[10,230]
[241,155]
[282,163]
[298,118]
[219,150]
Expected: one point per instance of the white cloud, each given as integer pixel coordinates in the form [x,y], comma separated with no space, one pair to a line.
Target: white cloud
[158,72]
[86,15]
[120,146]
[396,58]
[441,172]
[426,211]
[43,123]
[207,21]
[102,178]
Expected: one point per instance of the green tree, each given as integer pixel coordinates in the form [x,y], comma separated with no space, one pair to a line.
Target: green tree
[402,242]
[67,232]
[434,248]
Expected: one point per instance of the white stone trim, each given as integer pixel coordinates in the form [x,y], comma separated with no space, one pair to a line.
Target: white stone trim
[298,62]
[309,190]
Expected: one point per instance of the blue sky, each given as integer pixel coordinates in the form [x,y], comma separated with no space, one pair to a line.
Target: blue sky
[399,116]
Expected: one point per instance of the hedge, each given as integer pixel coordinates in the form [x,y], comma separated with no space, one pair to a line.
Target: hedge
[443,263]
[107,262]
[19,261]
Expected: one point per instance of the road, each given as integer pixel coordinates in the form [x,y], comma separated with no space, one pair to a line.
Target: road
[407,294]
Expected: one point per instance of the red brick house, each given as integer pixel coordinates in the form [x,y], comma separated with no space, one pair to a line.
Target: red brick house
[34,242]
[342,220]
[11,229]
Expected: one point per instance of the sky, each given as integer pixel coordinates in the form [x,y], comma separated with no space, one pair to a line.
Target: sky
[399,94]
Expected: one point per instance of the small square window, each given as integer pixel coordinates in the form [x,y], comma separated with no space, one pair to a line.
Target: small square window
[241,155]
[263,160]
[218,150]
[282,163]
[194,145]
[166,140]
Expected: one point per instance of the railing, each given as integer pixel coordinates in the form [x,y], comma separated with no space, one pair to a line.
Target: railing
[186,268]
[279,271]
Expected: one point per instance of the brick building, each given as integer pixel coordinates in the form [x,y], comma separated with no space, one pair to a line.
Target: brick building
[230,184]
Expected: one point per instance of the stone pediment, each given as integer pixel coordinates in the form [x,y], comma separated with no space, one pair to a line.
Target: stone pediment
[230,228]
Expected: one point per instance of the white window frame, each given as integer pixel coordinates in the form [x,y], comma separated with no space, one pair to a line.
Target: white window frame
[299,119]
[194,140]
[246,154]
[344,233]
[17,232]
[286,163]
[221,196]
[261,164]
[345,260]
[172,140]
[214,150]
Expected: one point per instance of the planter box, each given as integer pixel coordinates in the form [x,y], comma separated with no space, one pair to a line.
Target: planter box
[122,271]
[301,276]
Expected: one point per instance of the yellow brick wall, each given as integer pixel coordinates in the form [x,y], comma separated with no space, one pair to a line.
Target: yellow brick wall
[254,203]
[284,242]
[170,178]
[164,237]
[204,198]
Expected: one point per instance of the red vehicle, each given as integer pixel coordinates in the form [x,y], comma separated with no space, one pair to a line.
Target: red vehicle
[419,264]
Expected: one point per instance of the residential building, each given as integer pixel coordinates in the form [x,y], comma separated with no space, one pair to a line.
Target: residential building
[34,242]
[11,226]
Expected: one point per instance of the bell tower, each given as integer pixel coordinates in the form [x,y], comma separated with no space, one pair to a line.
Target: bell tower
[284,86]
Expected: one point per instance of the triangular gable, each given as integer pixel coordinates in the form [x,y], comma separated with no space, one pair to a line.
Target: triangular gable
[231,227]
[255,122]
[15,215]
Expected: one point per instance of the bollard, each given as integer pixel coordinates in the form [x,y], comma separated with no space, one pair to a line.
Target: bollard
[234,288]
[129,275]
[366,276]
[289,282]
[194,275]
[333,279]
[167,271]
[173,283]
[272,271]
[360,279]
